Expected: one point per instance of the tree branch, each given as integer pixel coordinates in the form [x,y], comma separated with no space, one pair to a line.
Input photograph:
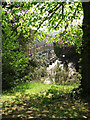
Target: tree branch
[76,9]
[58,23]
[50,11]
[46,18]
[62,16]
[79,26]
[55,11]
[62,10]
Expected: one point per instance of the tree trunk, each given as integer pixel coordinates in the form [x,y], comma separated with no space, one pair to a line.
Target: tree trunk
[85,82]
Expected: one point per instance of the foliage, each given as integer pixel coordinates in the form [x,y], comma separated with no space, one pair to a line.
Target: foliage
[14,60]
[17,36]
[68,51]
[68,54]
[64,76]
[13,15]
[60,16]
[71,42]
[51,16]
[37,67]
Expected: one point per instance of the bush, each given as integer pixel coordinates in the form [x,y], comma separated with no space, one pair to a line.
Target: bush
[14,64]
[63,76]
[14,60]
[37,67]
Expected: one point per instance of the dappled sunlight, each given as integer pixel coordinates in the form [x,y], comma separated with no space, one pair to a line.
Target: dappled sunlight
[45,60]
[43,105]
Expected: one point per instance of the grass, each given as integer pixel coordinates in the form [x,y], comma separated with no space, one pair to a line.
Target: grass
[25,88]
[39,100]
[33,88]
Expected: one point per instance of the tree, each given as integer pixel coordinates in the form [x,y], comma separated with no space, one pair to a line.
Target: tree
[14,60]
[85,83]
[16,35]
[61,16]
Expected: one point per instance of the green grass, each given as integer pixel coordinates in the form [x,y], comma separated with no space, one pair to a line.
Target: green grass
[35,100]
[25,88]
[34,88]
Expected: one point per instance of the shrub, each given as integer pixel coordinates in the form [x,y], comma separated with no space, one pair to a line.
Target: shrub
[14,62]
[36,67]
[61,76]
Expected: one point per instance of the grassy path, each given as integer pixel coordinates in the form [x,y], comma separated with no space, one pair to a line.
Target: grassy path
[36,100]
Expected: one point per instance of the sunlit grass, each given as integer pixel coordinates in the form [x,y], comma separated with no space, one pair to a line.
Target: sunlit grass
[26,88]
[30,100]
[66,88]
[34,88]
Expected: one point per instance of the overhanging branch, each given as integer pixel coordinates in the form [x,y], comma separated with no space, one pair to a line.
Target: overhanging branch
[62,16]
[49,17]
[55,11]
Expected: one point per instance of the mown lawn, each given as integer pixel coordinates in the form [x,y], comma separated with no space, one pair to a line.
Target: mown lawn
[38,100]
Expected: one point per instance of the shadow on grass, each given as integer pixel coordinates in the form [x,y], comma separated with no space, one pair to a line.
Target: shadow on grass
[47,119]
[45,106]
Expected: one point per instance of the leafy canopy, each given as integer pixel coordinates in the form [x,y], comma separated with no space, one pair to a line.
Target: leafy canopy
[45,17]
[19,18]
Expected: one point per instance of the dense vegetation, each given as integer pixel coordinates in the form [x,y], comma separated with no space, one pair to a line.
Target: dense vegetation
[16,65]
[14,60]
[23,97]
[19,18]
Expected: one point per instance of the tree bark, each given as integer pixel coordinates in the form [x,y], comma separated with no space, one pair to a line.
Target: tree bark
[85,82]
